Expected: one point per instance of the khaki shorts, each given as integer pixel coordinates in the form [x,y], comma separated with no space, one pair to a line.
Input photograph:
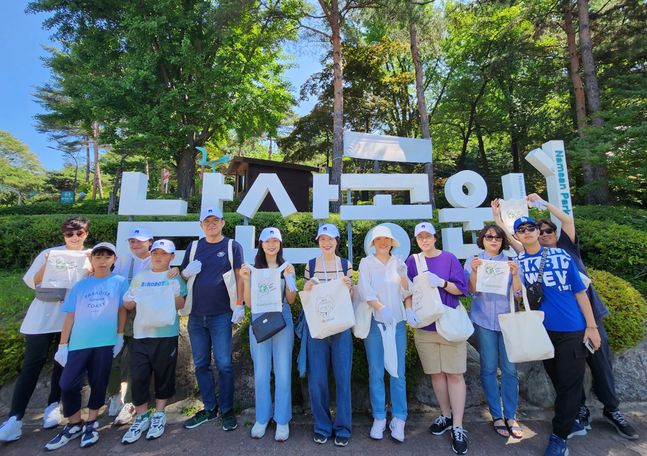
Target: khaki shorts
[439,355]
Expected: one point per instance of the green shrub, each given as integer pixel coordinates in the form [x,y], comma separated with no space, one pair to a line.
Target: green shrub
[626,323]
[54,207]
[636,218]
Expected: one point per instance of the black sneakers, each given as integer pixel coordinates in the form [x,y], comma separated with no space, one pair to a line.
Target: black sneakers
[623,427]
[459,440]
[440,425]
[203,416]
[584,417]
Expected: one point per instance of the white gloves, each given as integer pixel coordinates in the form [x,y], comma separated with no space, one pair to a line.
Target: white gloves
[539,204]
[175,286]
[238,314]
[434,280]
[129,295]
[387,315]
[402,269]
[291,282]
[61,355]
[118,346]
[411,318]
[193,268]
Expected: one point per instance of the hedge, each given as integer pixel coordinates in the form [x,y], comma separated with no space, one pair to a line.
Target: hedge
[626,323]
[634,217]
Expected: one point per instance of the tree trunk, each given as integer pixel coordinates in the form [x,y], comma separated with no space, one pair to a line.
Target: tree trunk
[420,95]
[338,102]
[481,153]
[97,186]
[574,68]
[86,140]
[599,194]
[185,172]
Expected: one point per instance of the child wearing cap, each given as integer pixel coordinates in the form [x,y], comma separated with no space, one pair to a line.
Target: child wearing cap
[276,351]
[119,391]
[335,350]
[445,361]
[92,334]
[154,348]
[383,283]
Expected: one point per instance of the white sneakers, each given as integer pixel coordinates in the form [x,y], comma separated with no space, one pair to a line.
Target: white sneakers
[258,430]
[114,405]
[282,432]
[11,430]
[52,416]
[397,429]
[139,426]
[158,423]
[126,414]
[377,430]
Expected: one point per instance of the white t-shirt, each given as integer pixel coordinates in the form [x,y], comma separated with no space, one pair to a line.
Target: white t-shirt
[379,281]
[123,264]
[42,317]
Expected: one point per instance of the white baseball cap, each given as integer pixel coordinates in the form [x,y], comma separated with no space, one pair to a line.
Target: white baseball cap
[106,246]
[164,244]
[383,231]
[270,233]
[210,212]
[329,230]
[425,227]
[141,234]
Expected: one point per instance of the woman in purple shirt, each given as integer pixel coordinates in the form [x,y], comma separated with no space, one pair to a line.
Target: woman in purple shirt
[445,361]
[486,308]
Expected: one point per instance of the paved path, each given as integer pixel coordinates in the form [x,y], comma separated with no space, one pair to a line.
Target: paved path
[211,440]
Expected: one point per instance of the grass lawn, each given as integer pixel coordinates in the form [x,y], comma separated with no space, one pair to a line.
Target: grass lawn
[15,297]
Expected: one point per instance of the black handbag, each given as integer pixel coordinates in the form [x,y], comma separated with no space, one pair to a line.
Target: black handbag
[534,291]
[267,324]
[50,294]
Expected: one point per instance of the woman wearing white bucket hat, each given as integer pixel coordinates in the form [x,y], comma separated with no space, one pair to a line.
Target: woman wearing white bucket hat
[383,283]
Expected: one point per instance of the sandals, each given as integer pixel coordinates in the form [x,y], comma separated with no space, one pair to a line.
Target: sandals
[501,429]
[515,430]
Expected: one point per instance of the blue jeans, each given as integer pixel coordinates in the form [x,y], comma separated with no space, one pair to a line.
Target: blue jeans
[492,351]
[338,351]
[209,333]
[274,352]
[398,386]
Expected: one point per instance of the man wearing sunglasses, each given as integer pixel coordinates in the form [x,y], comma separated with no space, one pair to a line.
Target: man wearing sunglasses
[568,319]
[599,361]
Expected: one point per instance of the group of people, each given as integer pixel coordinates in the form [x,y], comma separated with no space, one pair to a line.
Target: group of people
[107,315]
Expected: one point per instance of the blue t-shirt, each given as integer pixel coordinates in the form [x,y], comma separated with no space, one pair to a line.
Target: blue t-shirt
[95,303]
[561,281]
[209,290]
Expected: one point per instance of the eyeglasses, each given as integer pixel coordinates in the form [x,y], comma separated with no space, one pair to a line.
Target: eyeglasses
[546,231]
[523,229]
[71,234]
[492,238]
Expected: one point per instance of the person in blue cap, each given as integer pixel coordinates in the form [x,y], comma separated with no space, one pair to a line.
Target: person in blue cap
[335,351]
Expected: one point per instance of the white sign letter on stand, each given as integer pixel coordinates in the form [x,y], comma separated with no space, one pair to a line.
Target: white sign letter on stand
[514,186]
[215,191]
[266,183]
[134,188]
[322,194]
[475,185]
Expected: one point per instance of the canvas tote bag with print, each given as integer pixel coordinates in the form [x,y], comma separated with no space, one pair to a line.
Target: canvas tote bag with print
[265,291]
[155,307]
[524,335]
[511,210]
[188,301]
[455,325]
[493,277]
[328,309]
[426,302]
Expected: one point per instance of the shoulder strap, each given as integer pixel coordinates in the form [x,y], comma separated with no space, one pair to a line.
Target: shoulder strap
[544,254]
[131,269]
[312,264]
[421,263]
[230,253]
[194,247]
[344,266]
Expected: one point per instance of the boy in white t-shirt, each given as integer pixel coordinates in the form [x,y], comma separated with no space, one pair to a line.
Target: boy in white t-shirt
[92,335]
[155,345]
[119,390]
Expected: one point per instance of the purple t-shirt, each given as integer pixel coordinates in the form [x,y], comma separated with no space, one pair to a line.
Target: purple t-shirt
[447,267]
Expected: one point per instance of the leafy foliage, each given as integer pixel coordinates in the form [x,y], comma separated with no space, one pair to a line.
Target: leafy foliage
[20,170]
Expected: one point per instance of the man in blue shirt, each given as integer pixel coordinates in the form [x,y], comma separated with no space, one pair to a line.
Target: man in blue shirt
[568,319]
[211,317]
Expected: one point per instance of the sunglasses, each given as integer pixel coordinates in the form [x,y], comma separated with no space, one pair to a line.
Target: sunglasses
[492,238]
[523,229]
[546,231]
[70,234]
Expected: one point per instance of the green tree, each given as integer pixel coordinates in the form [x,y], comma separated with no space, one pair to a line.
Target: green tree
[20,170]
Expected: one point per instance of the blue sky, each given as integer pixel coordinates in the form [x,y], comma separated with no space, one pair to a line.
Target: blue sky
[21,50]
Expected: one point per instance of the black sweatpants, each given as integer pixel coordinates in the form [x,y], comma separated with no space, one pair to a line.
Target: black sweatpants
[566,372]
[604,384]
[37,350]
[153,356]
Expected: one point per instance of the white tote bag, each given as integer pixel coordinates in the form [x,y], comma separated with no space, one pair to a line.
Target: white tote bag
[188,301]
[493,277]
[229,277]
[363,314]
[524,335]
[64,268]
[265,290]
[155,307]
[511,210]
[390,348]
[328,309]
[425,302]
[455,325]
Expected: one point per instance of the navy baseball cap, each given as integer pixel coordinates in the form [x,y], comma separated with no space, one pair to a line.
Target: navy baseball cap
[524,221]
